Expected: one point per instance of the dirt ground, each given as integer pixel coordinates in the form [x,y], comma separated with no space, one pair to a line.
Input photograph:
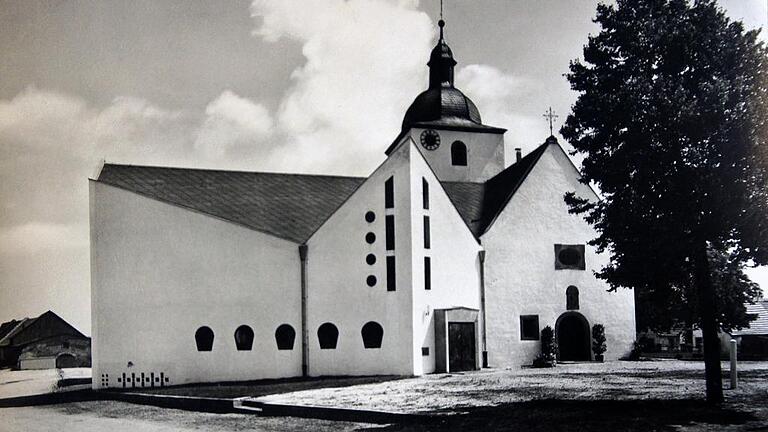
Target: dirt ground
[113,416]
[661,380]
[616,396]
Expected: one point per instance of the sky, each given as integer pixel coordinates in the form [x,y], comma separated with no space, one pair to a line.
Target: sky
[265,85]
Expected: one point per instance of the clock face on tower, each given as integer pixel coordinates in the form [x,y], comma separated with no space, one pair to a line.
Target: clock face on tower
[430,139]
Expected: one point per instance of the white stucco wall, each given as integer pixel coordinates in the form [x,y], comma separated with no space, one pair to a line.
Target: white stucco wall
[337,287]
[485,155]
[455,266]
[159,272]
[38,363]
[520,275]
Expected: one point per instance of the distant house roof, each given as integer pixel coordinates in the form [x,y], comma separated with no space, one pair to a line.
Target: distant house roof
[14,329]
[7,327]
[758,327]
[294,206]
[31,329]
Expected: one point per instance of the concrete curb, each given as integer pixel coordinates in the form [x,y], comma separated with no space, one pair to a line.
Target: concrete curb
[187,403]
[50,398]
[224,406]
[338,414]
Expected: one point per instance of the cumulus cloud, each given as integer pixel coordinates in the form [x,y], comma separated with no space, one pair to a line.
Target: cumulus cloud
[364,65]
[499,96]
[232,121]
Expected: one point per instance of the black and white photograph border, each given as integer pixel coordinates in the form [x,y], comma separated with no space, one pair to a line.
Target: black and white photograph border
[384,215]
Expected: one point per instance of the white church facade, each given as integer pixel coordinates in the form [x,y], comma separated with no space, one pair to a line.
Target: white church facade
[443,259]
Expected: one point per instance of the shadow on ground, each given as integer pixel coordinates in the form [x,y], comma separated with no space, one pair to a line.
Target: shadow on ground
[261,387]
[563,415]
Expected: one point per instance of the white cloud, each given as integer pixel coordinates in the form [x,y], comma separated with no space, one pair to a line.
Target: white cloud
[499,96]
[364,65]
[232,121]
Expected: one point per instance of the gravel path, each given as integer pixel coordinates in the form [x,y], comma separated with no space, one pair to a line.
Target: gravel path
[656,380]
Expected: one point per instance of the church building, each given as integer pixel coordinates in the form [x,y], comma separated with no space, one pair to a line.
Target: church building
[450,256]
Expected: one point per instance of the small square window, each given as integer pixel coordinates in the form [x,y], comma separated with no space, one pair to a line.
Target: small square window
[529,327]
[425,351]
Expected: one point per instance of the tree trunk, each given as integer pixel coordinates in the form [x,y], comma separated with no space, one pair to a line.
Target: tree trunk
[709,329]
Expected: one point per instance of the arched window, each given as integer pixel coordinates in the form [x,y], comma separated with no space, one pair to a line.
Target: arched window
[328,335]
[204,339]
[572,298]
[458,153]
[285,335]
[244,338]
[372,334]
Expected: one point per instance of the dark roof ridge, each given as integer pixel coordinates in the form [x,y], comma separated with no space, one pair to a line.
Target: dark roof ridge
[462,182]
[231,171]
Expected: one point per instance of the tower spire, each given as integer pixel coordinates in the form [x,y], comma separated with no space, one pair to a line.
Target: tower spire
[441,60]
[441,22]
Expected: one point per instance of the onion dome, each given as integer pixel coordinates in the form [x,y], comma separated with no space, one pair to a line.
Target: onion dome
[442,104]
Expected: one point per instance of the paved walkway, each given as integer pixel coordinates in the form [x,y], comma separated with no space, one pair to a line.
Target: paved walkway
[34,382]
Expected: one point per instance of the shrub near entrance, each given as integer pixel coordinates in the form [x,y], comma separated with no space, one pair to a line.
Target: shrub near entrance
[598,341]
[548,356]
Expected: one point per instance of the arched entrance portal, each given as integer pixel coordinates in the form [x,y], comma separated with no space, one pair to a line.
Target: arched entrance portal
[572,332]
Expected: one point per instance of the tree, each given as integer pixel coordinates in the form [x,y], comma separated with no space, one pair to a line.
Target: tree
[660,309]
[671,118]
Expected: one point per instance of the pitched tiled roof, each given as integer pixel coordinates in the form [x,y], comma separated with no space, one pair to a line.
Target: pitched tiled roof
[7,326]
[20,325]
[289,206]
[293,206]
[468,198]
[480,203]
[758,326]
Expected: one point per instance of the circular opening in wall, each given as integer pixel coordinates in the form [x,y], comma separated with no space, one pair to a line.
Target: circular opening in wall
[371,281]
[370,259]
[370,237]
[569,256]
[370,216]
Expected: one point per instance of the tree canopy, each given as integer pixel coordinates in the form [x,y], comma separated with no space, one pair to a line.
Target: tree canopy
[671,118]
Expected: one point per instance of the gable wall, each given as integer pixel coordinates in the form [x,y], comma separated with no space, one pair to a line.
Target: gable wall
[337,288]
[520,275]
[455,266]
[485,155]
[159,272]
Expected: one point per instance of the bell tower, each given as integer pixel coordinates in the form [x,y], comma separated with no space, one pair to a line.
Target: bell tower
[447,128]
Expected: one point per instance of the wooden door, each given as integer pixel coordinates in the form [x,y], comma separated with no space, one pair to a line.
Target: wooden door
[461,346]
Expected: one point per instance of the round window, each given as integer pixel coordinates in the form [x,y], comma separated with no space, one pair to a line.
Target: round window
[569,256]
[371,281]
[370,237]
[370,259]
[370,216]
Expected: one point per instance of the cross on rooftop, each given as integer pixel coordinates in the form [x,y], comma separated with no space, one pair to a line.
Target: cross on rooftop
[550,116]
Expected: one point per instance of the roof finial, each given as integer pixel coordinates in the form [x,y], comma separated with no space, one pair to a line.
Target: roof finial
[550,115]
[441,23]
